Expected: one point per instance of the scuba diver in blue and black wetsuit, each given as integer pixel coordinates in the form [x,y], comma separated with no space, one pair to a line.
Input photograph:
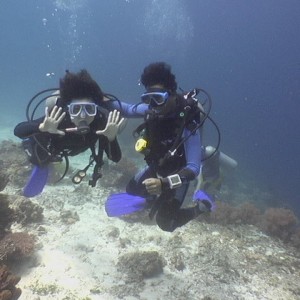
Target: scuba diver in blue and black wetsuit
[171,143]
[76,119]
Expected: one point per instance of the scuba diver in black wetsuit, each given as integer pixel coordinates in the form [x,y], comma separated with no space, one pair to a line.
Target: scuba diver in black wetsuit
[75,122]
[170,141]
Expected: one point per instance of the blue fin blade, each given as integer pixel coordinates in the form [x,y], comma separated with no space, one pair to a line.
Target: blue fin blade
[36,182]
[208,201]
[123,204]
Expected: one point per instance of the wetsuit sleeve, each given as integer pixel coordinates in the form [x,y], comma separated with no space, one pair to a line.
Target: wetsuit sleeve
[192,147]
[129,110]
[27,129]
[113,150]
[191,170]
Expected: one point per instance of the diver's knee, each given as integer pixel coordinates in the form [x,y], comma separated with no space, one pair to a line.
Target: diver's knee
[135,188]
[165,223]
[132,187]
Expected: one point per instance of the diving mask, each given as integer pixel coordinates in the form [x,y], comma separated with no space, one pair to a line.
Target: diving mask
[82,114]
[155,98]
[75,109]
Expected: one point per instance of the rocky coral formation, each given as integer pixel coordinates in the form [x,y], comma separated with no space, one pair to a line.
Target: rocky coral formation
[278,222]
[28,212]
[69,217]
[3,178]
[13,245]
[13,163]
[7,215]
[295,238]
[8,282]
[16,246]
[140,265]
[225,213]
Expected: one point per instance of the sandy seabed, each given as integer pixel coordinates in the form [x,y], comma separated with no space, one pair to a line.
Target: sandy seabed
[82,256]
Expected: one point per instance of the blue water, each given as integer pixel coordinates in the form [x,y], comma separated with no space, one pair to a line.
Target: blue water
[246,54]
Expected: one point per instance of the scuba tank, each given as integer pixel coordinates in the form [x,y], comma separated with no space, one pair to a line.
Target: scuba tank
[225,161]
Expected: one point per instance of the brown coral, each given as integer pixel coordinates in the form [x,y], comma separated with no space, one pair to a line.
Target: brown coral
[141,264]
[7,215]
[16,246]
[8,282]
[246,213]
[28,212]
[3,179]
[279,222]
[295,238]
[15,162]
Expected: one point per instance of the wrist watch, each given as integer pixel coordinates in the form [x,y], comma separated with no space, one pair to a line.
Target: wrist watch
[174,181]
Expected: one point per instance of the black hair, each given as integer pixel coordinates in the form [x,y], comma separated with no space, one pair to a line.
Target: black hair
[79,85]
[159,73]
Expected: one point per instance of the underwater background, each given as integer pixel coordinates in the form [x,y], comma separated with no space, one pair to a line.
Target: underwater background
[246,54]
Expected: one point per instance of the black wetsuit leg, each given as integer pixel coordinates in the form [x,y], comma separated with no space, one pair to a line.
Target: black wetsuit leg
[135,186]
[169,215]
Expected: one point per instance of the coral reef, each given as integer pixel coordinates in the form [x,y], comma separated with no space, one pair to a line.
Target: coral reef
[16,246]
[8,282]
[295,238]
[245,213]
[140,265]
[3,178]
[15,163]
[69,217]
[7,215]
[279,222]
[43,289]
[28,212]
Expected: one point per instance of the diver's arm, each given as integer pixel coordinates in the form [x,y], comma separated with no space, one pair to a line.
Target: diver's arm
[192,147]
[47,124]
[52,120]
[191,170]
[112,150]
[129,110]
[113,125]
[27,129]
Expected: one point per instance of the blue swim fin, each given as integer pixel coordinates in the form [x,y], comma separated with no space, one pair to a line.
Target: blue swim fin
[201,196]
[123,204]
[36,182]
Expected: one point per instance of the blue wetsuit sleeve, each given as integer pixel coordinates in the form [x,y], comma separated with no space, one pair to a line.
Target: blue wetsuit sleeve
[192,147]
[129,110]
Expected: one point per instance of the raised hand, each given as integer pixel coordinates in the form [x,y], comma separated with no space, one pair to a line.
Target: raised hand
[52,121]
[112,126]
